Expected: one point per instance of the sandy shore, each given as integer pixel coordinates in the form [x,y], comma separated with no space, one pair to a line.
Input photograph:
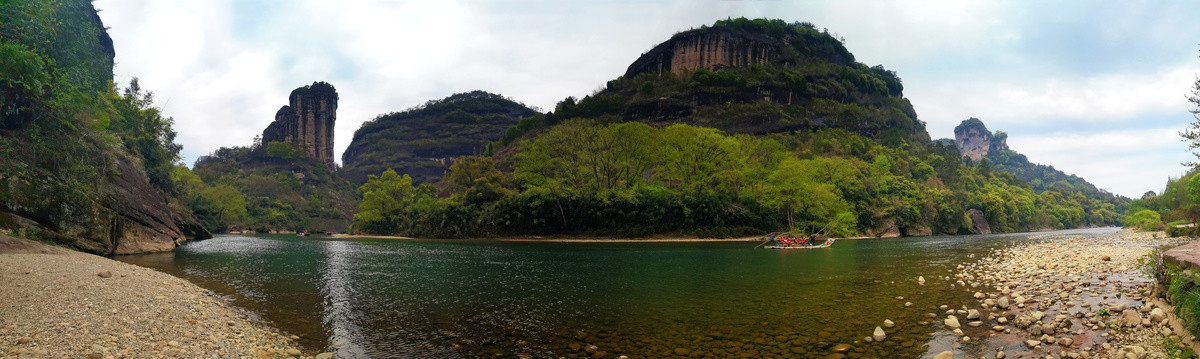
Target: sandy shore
[1069,296]
[60,303]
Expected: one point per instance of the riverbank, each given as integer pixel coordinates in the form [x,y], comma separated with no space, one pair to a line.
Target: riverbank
[1069,296]
[60,303]
[569,239]
[664,239]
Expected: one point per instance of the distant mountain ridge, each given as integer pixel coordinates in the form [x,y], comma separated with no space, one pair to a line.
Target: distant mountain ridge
[975,142]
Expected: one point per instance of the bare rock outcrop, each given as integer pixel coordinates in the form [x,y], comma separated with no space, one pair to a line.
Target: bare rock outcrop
[979,223]
[307,121]
[128,215]
[713,48]
[974,141]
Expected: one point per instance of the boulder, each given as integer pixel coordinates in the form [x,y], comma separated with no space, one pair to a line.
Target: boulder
[1157,315]
[879,334]
[944,355]
[979,222]
[1130,318]
[952,322]
[1002,303]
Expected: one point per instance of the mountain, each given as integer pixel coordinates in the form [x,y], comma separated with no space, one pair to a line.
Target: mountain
[423,141]
[286,181]
[84,166]
[754,77]
[743,127]
[976,143]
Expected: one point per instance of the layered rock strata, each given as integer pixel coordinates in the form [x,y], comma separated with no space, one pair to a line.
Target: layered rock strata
[307,121]
[712,49]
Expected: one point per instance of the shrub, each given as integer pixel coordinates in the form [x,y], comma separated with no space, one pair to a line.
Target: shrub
[1144,220]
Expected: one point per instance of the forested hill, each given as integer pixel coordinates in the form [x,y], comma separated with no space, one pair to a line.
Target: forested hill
[82,164]
[740,128]
[977,143]
[424,140]
[753,77]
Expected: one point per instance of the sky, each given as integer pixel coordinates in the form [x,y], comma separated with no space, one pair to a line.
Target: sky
[1095,89]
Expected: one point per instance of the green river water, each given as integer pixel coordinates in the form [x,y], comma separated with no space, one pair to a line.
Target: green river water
[458,299]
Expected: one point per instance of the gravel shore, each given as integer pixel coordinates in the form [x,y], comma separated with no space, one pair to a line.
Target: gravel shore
[1071,296]
[65,304]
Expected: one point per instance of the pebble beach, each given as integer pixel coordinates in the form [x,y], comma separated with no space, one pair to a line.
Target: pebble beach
[60,303]
[1063,296]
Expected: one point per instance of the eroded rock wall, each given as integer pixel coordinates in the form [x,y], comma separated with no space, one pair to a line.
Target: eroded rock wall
[307,121]
[973,143]
[713,49]
[127,215]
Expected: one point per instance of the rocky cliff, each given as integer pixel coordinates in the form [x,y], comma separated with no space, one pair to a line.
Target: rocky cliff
[61,177]
[975,142]
[714,48]
[753,77]
[122,214]
[423,141]
[307,121]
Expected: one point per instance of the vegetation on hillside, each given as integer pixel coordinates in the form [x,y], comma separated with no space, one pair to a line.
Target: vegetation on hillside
[815,85]
[585,177]
[63,124]
[267,187]
[421,141]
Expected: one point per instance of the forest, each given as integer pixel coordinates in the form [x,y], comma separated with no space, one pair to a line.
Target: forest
[583,177]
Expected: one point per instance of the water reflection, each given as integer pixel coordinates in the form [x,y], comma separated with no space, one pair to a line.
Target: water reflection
[337,287]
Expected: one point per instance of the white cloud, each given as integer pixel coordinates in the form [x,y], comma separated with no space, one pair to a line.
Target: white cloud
[1109,97]
[1127,162]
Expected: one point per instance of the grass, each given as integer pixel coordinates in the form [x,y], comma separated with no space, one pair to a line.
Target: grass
[1183,290]
[1176,349]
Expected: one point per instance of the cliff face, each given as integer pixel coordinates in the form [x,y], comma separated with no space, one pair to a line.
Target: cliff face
[975,142]
[423,142]
[125,215]
[71,186]
[307,121]
[715,48]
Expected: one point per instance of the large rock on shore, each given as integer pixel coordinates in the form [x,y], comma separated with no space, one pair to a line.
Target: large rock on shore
[979,223]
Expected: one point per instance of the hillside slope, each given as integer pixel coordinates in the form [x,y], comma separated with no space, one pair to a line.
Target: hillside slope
[975,142]
[83,166]
[754,77]
[423,141]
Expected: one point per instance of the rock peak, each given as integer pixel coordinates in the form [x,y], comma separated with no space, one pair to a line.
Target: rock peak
[307,121]
[974,141]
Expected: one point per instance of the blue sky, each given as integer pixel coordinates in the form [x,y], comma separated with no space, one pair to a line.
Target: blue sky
[1093,88]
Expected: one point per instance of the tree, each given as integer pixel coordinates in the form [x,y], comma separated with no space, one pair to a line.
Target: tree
[478,178]
[1191,135]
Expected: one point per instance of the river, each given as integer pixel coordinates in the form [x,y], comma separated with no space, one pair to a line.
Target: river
[382,298]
